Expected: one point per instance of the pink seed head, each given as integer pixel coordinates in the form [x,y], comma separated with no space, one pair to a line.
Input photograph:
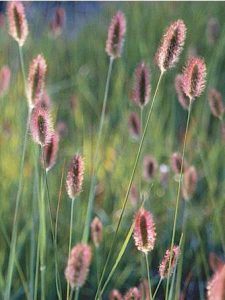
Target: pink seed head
[5,76]
[171,46]
[57,24]
[50,152]
[216,285]
[194,75]
[75,176]
[216,103]
[18,27]
[149,167]
[40,126]
[36,79]
[182,98]
[132,294]
[142,88]
[115,295]
[189,182]
[134,125]
[144,231]
[96,232]
[116,33]
[176,161]
[164,267]
[78,265]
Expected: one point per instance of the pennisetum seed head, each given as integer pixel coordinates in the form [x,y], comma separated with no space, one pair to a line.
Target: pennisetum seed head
[50,151]
[36,79]
[96,231]
[176,161]
[171,46]
[41,126]
[5,75]
[132,294]
[144,231]
[75,176]
[115,295]
[78,265]
[164,267]
[149,167]
[134,125]
[18,27]
[142,88]
[216,103]
[189,182]
[116,33]
[216,285]
[194,75]
[182,98]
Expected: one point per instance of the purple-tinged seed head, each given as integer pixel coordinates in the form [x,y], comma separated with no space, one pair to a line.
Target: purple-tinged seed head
[5,76]
[96,232]
[182,98]
[18,27]
[50,152]
[216,103]
[216,285]
[164,267]
[116,33]
[171,46]
[115,295]
[75,176]
[149,167]
[134,125]
[132,294]
[176,161]
[189,182]
[78,265]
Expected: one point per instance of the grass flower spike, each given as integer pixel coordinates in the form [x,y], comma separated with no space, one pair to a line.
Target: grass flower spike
[182,98]
[132,294]
[115,295]
[50,151]
[149,167]
[176,161]
[96,232]
[189,183]
[134,125]
[164,267]
[216,286]
[216,103]
[75,175]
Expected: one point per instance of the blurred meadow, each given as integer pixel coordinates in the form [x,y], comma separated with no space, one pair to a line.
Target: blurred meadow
[77,66]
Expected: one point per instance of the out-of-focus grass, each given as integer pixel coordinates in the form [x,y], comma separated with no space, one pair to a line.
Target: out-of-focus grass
[78,66]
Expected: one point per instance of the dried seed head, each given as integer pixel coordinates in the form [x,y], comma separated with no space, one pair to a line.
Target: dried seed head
[116,35]
[149,167]
[144,231]
[57,24]
[18,28]
[78,265]
[216,286]
[164,267]
[134,125]
[171,46]
[75,175]
[132,294]
[36,79]
[182,98]
[189,182]
[5,75]
[213,30]
[115,295]
[216,103]
[142,88]
[176,161]
[96,232]
[41,126]
[50,152]
[194,75]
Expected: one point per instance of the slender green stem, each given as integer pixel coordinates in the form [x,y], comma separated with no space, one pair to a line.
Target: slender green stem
[70,242]
[129,185]
[157,288]
[22,67]
[178,197]
[149,282]
[77,294]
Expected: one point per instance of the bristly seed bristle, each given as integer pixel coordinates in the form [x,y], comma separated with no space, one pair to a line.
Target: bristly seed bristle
[75,176]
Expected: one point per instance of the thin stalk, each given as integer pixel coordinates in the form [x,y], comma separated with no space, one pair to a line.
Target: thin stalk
[157,288]
[130,183]
[178,196]
[149,282]
[96,153]
[77,294]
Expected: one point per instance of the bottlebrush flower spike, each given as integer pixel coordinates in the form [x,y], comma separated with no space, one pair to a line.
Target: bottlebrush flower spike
[144,231]
[216,103]
[149,167]
[96,232]
[56,25]
[116,33]
[132,294]
[41,126]
[164,267]
[189,182]
[75,176]
[50,152]
[216,286]
[176,161]
[18,27]
[36,79]
[182,98]
[115,295]
[194,75]
[134,125]
[142,88]
[171,46]
[78,265]
[5,75]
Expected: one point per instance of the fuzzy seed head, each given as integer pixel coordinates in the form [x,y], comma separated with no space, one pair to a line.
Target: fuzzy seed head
[176,162]
[134,125]
[78,265]
[75,176]
[5,76]
[18,27]
[182,98]
[216,286]
[142,88]
[216,103]
[149,167]
[194,77]
[164,267]
[40,126]
[115,295]
[132,294]
[116,33]
[189,182]
[171,46]
[57,24]
[50,151]
[144,231]
[96,231]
